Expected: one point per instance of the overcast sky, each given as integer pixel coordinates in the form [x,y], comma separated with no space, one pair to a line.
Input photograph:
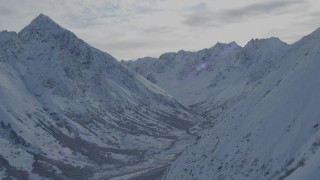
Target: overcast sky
[128,29]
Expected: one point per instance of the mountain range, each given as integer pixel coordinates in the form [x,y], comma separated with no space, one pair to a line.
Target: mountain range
[67,108]
[260,102]
[71,111]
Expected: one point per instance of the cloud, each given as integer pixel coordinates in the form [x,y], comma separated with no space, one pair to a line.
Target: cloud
[158,30]
[147,10]
[200,15]
[302,25]
[5,11]
[130,49]
[203,16]
[264,8]
[132,44]
[133,28]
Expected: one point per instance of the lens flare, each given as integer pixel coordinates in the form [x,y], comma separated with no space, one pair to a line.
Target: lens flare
[201,66]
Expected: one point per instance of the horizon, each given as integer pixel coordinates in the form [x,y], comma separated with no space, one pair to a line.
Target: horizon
[193,26]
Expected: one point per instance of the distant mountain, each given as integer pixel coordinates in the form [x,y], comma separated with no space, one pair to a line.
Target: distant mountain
[261,104]
[273,132]
[213,79]
[67,108]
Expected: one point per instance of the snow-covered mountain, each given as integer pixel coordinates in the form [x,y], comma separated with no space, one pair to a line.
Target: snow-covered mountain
[273,133]
[214,79]
[70,111]
[67,108]
[261,102]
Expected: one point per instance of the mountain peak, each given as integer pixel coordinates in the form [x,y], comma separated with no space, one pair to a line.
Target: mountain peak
[233,43]
[41,27]
[224,45]
[41,18]
[268,42]
[312,37]
[42,21]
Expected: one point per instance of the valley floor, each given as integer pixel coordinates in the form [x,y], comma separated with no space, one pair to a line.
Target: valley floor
[151,166]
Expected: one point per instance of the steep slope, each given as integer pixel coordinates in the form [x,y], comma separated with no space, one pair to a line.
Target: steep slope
[213,80]
[185,74]
[67,108]
[272,134]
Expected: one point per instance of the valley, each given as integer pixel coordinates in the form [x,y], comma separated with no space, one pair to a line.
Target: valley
[71,111]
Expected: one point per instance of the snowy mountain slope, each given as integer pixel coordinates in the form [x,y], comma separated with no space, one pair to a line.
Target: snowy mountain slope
[67,108]
[215,79]
[272,134]
[176,71]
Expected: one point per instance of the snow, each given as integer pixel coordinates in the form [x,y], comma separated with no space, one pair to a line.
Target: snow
[267,135]
[211,76]
[71,105]
[310,170]
[18,157]
[152,86]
